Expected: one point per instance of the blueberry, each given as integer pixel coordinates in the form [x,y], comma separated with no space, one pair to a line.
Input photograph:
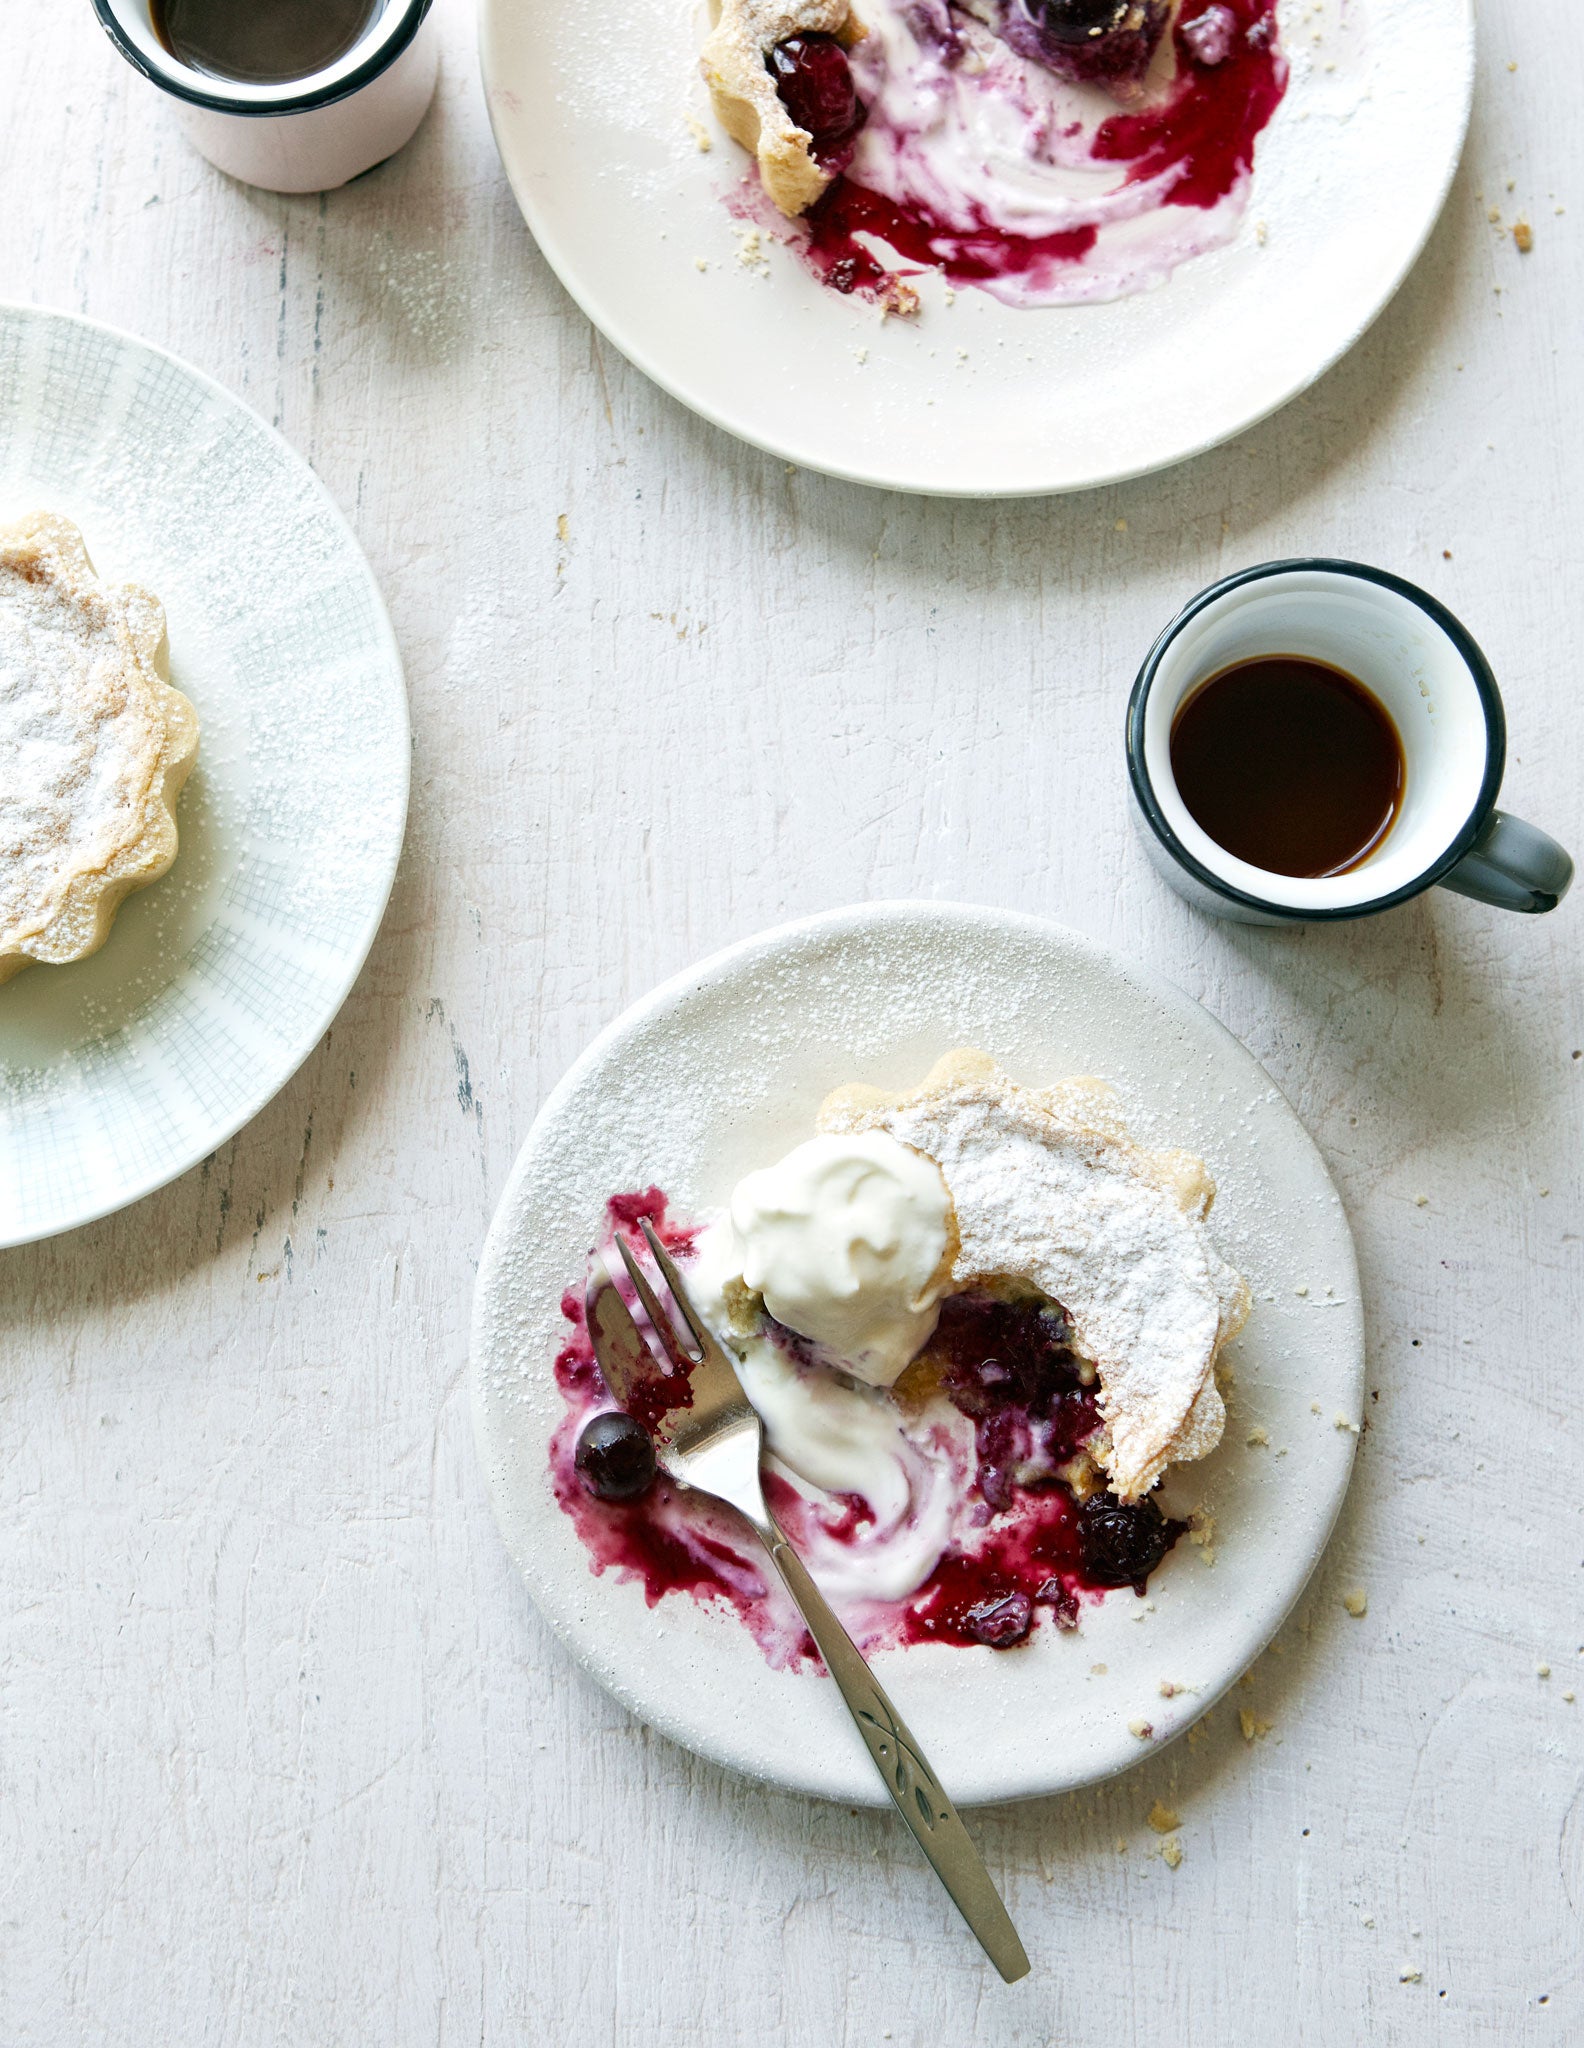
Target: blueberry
[1121,1545]
[1079,21]
[615,1457]
[1062,1602]
[1000,1622]
[815,85]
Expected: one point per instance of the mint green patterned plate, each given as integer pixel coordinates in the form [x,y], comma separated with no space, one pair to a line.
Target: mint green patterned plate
[122,1071]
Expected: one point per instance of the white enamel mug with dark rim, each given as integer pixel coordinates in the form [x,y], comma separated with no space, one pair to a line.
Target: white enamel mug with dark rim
[1425,668]
[305,134]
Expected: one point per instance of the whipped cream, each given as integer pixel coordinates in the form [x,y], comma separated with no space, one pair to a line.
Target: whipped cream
[846,1240]
[838,1441]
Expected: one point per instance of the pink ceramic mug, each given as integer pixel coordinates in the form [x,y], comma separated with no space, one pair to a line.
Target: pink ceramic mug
[303,134]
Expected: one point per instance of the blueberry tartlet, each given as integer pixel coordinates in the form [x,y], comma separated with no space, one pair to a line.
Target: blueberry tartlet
[979,1323]
[781,85]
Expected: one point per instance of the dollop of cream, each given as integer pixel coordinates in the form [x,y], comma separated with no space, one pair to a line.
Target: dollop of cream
[846,1240]
[838,1441]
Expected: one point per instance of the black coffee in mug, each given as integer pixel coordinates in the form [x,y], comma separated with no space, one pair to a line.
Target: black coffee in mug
[1290,764]
[260,42]
[1316,739]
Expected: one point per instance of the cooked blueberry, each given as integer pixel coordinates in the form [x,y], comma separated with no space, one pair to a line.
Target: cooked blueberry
[815,84]
[1092,42]
[1121,1545]
[1062,1602]
[615,1457]
[1078,21]
[1002,1622]
[1211,36]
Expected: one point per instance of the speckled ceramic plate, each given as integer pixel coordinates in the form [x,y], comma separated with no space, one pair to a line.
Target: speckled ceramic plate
[720,1071]
[975,398]
[123,1070]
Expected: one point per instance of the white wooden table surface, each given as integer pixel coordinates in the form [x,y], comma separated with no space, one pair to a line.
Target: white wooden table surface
[286,1755]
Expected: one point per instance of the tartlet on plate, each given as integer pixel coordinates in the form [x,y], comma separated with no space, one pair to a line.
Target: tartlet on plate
[95,746]
[751,83]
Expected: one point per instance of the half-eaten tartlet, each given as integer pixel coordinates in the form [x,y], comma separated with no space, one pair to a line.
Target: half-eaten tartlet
[1047,152]
[94,746]
[978,1322]
[780,84]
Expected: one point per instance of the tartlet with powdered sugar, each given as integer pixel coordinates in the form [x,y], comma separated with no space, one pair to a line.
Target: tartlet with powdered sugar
[979,1322]
[95,746]
[1049,1191]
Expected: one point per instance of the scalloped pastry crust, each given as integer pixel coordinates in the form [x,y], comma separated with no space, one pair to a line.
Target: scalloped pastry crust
[94,746]
[744,96]
[1048,1187]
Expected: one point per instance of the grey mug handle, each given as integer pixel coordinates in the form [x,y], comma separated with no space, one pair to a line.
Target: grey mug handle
[1514,866]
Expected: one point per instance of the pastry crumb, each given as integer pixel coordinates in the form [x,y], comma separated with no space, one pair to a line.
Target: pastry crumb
[1171,1853]
[1342,1422]
[1142,1729]
[1356,1601]
[1201,1533]
[702,138]
[1097,1670]
[751,251]
[1163,1820]
[1542,1671]
[1255,1727]
[701,263]
[1411,1977]
[899,300]
[1523,235]
[1169,1689]
[1258,1436]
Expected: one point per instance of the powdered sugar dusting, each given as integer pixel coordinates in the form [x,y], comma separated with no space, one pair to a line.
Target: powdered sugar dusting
[1046,1185]
[83,730]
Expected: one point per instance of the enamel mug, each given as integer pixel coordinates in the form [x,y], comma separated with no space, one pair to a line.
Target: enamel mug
[1425,669]
[303,134]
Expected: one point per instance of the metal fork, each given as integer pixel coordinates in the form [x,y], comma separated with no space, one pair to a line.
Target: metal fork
[713,1444]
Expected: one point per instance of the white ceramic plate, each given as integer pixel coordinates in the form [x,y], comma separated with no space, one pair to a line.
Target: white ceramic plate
[120,1072]
[720,1071]
[590,115]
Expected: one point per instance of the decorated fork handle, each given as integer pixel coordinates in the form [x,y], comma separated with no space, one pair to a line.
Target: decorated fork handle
[907,1775]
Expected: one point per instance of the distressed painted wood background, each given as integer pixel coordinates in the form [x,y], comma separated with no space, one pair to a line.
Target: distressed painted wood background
[286,1756]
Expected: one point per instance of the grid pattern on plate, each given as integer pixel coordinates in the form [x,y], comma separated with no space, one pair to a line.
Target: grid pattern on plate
[298,632]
